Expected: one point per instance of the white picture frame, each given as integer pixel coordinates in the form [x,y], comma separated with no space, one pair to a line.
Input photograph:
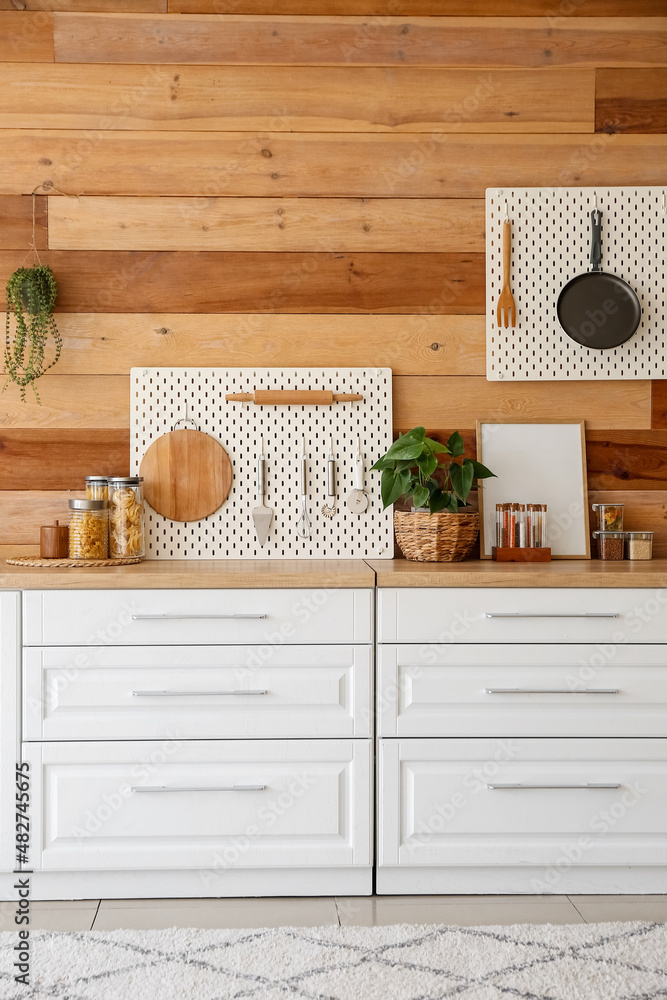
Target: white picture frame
[537,461]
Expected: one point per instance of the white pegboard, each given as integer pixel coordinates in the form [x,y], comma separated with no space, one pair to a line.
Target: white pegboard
[159,397]
[550,245]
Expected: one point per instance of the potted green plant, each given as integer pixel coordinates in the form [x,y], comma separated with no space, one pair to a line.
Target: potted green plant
[441,527]
[31,295]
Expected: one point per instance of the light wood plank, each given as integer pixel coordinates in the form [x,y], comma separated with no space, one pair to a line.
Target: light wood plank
[424,8]
[83,6]
[459,402]
[631,100]
[22,512]
[70,401]
[103,401]
[331,41]
[339,225]
[310,165]
[110,344]
[16,222]
[642,512]
[144,281]
[25,36]
[49,459]
[294,98]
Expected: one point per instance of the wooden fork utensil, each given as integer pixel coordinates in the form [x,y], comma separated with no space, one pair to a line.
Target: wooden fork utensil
[506,308]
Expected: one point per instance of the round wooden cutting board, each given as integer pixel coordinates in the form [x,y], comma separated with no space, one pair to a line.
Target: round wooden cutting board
[187,475]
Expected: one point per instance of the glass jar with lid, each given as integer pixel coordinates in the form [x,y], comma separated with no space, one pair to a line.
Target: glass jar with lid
[126,517]
[611,544]
[608,516]
[97,488]
[89,529]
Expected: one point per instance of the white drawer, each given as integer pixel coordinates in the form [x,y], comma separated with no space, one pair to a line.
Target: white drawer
[197,692]
[194,617]
[437,806]
[211,805]
[522,690]
[435,615]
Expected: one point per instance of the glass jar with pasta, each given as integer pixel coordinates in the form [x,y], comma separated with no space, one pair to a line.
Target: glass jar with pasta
[89,529]
[126,517]
[97,488]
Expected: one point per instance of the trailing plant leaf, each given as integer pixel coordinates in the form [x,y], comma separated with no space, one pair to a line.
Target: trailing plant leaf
[408,468]
[31,296]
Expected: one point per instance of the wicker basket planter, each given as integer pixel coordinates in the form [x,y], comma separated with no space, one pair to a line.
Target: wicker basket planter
[443,537]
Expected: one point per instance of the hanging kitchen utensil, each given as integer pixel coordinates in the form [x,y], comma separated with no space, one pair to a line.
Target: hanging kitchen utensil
[261,514]
[329,509]
[597,309]
[303,526]
[506,307]
[357,500]
[187,474]
[293,397]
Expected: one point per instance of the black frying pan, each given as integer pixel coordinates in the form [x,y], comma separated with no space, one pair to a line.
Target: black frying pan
[597,309]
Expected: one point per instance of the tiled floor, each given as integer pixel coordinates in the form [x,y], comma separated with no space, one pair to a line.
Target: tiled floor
[111,914]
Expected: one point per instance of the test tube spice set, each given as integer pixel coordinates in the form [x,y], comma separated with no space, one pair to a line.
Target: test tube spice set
[521,533]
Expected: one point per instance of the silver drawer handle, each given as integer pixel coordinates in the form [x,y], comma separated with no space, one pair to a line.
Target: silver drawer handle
[191,694]
[591,784]
[141,618]
[550,691]
[204,788]
[521,614]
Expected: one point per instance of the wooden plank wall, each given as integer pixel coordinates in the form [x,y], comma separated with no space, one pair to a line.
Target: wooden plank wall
[234,182]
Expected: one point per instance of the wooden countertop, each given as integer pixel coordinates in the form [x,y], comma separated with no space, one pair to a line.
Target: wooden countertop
[245,574]
[191,574]
[486,573]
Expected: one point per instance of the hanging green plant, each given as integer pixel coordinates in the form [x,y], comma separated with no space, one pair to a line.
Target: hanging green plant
[31,296]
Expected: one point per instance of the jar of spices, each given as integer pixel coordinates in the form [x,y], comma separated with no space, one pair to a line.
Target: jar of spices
[89,529]
[610,544]
[638,544]
[608,516]
[97,488]
[126,516]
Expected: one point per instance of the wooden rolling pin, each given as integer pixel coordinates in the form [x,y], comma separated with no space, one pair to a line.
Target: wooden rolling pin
[287,397]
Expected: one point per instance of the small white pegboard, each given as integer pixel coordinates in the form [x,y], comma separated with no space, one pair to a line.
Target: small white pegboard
[159,397]
[550,245]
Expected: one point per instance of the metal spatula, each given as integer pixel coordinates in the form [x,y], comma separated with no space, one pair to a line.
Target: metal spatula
[261,514]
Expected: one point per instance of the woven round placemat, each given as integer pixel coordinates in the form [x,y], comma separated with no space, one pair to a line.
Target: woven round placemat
[74,563]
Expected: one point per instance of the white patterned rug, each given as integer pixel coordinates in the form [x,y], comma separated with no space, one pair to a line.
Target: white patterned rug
[401,962]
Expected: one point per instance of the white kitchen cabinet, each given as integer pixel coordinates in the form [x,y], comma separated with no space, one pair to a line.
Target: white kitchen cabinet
[10,657]
[179,804]
[432,616]
[521,802]
[522,689]
[196,617]
[200,692]
[522,740]
[199,742]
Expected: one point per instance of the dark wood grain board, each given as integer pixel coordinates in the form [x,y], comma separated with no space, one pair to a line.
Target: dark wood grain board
[141,281]
[60,459]
[659,404]
[631,100]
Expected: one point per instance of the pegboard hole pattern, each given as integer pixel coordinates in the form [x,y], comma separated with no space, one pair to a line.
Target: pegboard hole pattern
[551,245]
[162,396]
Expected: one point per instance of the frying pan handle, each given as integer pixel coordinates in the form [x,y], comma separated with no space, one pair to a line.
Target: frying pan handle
[596,239]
